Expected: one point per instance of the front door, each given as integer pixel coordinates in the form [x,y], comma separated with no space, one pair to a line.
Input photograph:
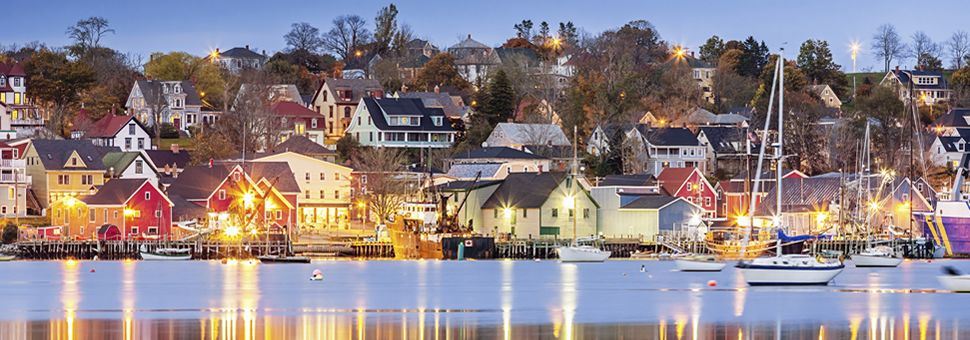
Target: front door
[177,122]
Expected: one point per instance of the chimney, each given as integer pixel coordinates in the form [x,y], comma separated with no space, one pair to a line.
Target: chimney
[437,89]
[217,50]
[247,46]
[211,161]
[897,68]
[469,36]
[691,54]
[264,52]
[540,169]
[175,148]
[111,172]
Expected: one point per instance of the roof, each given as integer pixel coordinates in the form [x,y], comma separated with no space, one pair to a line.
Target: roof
[166,157]
[671,179]
[183,210]
[358,87]
[285,180]
[54,153]
[301,145]
[953,118]
[453,106]
[514,134]
[198,182]
[109,126]
[12,70]
[905,77]
[119,160]
[726,139]
[668,136]
[472,170]
[292,109]
[524,190]
[550,151]
[703,117]
[499,152]
[115,191]
[379,107]
[649,202]
[465,185]
[148,86]
[469,43]
[241,53]
[628,181]
[801,195]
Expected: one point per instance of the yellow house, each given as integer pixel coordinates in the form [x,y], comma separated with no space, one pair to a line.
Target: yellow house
[64,168]
[324,199]
[535,205]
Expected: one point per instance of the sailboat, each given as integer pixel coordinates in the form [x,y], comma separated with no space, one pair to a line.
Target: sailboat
[873,256]
[576,252]
[782,269]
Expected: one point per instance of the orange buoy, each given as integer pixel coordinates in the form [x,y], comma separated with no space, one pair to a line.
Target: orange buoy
[712,283]
[92,270]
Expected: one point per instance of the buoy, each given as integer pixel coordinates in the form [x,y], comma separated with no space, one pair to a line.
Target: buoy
[317,275]
[643,268]
[712,283]
[92,270]
[624,274]
[538,260]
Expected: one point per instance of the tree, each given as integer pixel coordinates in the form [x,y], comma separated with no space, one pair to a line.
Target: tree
[888,45]
[929,62]
[959,48]
[385,190]
[731,89]
[803,138]
[206,76]
[288,73]
[882,104]
[348,34]
[386,70]
[960,84]
[210,144]
[56,84]
[10,233]
[567,34]
[386,28]
[87,33]
[754,57]
[925,51]
[815,60]
[543,35]
[523,29]
[712,49]
[251,124]
[441,71]
[347,148]
[499,105]
[303,37]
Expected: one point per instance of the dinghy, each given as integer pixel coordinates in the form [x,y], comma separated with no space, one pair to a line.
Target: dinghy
[954,280]
[879,256]
[283,259]
[165,254]
[700,263]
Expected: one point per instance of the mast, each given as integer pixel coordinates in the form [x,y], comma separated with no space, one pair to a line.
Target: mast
[575,183]
[779,163]
[761,158]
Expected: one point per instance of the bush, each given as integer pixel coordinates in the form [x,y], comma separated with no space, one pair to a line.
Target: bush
[10,233]
[168,131]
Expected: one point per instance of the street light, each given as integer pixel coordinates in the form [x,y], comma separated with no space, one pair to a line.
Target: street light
[854,49]
[680,53]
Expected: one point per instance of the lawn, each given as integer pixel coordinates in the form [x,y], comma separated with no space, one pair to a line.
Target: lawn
[183,142]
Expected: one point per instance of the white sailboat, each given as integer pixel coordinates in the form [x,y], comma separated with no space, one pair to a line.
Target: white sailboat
[878,256]
[700,263]
[165,254]
[576,252]
[782,269]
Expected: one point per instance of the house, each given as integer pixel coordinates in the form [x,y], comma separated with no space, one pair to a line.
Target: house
[464,200]
[928,87]
[298,120]
[517,135]
[453,106]
[690,184]
[735,193]
[168,163]
[129,164]
[627,213]
[178,102]
[304,146]
[237,59]
[656,149]
[421,47]
[493,163]
[897,203]
[324,201]
[474,59]
[826,95]
[18,115]
[949,123]
[13,182]
[703,73]
[605,137]
[224,195]
[400,123]
[808,205]
[64,168]
[124,132]
[702,117]
[337,100]
[138,208]
[535,205]
[948,151]
[727,147]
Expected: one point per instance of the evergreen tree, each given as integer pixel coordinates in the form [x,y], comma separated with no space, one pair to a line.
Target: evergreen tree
[386,28]
[815,60]
[712,49]
[754,57]
[499,104]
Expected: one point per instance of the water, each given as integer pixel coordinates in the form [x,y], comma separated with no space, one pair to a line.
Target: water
[448,299]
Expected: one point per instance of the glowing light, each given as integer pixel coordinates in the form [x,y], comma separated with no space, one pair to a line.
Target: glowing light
[248,199]
[223,216]
[821,216]
[231,231]
[680,53]
[569,202]
[508,213]
[873,205]
[70,201]
[695,220]
[213,55]
[358,53]
[854,48]
[130,212]
[253,231]
[361,204]
[71,262]
[270,205]
[744,221]
[903,207]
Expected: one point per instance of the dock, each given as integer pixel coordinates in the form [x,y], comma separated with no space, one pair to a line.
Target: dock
[121,250]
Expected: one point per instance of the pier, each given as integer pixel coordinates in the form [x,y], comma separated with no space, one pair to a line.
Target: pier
[120,250]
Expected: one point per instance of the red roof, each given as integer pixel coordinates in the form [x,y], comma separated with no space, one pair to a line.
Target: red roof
[12,70]
[107,126]
[671,179]
[291,109]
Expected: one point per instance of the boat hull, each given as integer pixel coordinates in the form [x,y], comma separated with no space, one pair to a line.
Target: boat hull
[950,229]
[288,259]
[159,257]
[875,261]
[699,266]
[956,283]
[575,254]
[786,276]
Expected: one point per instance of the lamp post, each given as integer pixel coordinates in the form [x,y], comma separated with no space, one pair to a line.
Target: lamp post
[854,49]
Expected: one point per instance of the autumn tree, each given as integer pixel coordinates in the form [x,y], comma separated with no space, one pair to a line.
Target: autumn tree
[731,89]
[210,145]
[207,77]
[56,84]
[882,105]
[441,71]
[385,193]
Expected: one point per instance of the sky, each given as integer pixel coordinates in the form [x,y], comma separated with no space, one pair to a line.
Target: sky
[198,26]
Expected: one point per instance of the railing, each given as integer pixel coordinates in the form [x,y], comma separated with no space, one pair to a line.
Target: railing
[13,163]
[15,178]
[33,121]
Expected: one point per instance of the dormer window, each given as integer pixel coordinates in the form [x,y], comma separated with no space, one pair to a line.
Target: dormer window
[178,88]
[437,120]
[3,80]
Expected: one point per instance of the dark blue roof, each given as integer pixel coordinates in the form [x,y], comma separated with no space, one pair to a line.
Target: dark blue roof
[405,106]
[668,136]
[496,152]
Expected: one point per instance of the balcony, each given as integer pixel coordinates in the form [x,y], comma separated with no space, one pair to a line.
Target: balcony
[27,122]
[13,163]
[15,178]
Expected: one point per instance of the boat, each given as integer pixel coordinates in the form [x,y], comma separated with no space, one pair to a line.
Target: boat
[165,254]
[878,256]
[954,280]
[5,258]
[948,225]
[577,252]
[282,259]
[700,263]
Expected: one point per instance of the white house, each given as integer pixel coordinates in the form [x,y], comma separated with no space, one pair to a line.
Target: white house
[948,151]
[238,58]
[518,135]
[826,95]
[125,132]
[131,164]
[337,99]
[178,101]
[325,198]
[928,87]
[474,59]
[662,148]
[400,123]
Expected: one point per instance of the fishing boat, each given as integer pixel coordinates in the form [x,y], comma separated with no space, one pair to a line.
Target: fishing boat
[577,252]
[954,280]
[782,269]
[700,263]
[165,254]
[282,259]
[949,223]
[878,256]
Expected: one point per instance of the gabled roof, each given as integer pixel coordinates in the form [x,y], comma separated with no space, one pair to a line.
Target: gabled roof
[301,145]
[117,191]
[953,118]
[671,179]
[524,190]
[109,126]
[241,53]
[701,116]
[628,181]
[466,185]
[198,182]
[358,87]
[120,160]
[905,77]
[453,106]
[379,107]
[801,195]
[54,153]
[496,152]
[471,170]
[12,70]
[160,158]
[509,134]
[468,42]
[650,202]
[294,110]
[149,86]
[285,181]
[726,139]
[668,136]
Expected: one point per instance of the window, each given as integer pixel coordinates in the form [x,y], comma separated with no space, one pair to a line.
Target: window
[322,194]
[127,143]
[139,167]
[279,214]
[525,213]
[148,195]
[555,212]
[141,143]
[323,176]
[585,212]
[494,213]
[313,123]
[3,209]
[347,112]
[306,176]
[437,121]
[158,213]
[222,194]
[12,192]
[336,194]
[114,214]
[131,128]
[91,215]
[707,201]
[152,231]
[307,194]
[572,213]
[105,215]
[134,230]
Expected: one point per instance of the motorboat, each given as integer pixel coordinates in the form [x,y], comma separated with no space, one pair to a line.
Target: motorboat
[954,280]
[790,269]
[582,253]
[283,259]
[878,256]
[165,254]
[700,263]
[5,258]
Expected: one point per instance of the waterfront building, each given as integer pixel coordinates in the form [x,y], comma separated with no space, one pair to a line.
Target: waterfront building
[540,205]
[690,184]
[639,212]
[464,200]
[734,194]
[168,163]
[490,163]
[13,182]
[893,205]
[337,99]
[324,201]
[138,208]
[64,168]
[400,123]
[809,205]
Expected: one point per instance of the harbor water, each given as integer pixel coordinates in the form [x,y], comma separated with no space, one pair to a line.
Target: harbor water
[469,299]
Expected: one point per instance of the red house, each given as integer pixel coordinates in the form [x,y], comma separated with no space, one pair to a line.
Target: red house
[134,205]
[735,193]
[690,184]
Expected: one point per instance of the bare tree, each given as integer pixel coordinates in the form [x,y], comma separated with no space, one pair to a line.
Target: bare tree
[88,32]
[304,37]
[385,189]
[348,33]
[923,45]
[157,104]
[959,47]
[251,124]
[888,45]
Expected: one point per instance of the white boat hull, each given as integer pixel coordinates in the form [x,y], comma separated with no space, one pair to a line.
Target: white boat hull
[157,257]
[583,254]
[685,265]
[956,283]
[875,261]
[789,277]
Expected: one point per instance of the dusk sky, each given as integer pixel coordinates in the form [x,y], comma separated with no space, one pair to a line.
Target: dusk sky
[198,26]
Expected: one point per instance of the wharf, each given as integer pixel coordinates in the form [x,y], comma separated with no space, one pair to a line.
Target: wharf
[119,250]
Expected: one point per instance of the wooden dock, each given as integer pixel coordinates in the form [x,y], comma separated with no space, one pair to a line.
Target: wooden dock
[119,250]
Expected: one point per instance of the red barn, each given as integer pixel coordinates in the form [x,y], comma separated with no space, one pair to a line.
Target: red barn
[690,184]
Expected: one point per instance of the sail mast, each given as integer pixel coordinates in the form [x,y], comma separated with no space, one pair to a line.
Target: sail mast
[761,157]
[780,154]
